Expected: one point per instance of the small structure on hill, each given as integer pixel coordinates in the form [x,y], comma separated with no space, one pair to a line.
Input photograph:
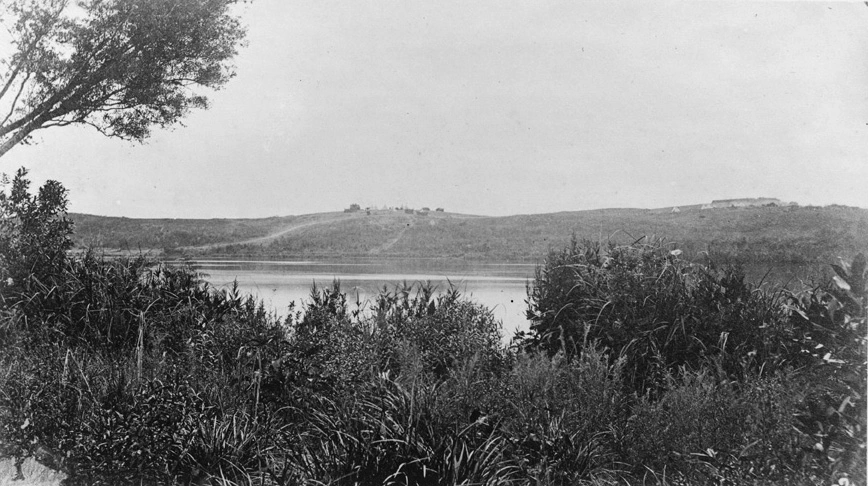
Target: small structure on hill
[676,210]
[439,210]
[353,208]
[745,202]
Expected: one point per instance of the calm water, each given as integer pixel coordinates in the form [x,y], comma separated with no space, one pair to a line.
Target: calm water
[500,287]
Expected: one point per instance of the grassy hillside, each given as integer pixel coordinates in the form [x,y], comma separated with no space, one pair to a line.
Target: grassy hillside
[132,234]
[762,234]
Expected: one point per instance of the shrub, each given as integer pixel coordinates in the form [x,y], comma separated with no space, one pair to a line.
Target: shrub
[34,235]
[772,446]
[390,434]
[706,430]
[330,350]
[38,402]
[560,415]
[827,337]
[410,332]
[644,303]
[232,448]
[442,332]
[143,436]
[697,341]
[110,365]
[690,425]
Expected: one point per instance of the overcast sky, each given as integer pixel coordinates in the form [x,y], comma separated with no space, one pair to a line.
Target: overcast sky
[493,107]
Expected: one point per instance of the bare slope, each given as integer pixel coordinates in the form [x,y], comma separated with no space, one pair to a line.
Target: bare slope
[779,234]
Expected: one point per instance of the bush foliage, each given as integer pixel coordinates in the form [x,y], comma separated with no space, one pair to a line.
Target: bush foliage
[639,367]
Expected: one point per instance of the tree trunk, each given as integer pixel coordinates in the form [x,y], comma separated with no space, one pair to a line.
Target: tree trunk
[22,133]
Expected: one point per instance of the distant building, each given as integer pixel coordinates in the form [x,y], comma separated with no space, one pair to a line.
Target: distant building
[353,208]
[426,209]
[676,210]
[439,210]
[746,202]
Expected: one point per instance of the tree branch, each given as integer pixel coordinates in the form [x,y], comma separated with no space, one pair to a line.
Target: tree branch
[125,66]
[70,92]
[23,133]
[10,80]
[15,100]
[25,54]
[59,123]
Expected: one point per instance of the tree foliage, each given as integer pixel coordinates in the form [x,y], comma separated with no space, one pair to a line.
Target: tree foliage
[120,66]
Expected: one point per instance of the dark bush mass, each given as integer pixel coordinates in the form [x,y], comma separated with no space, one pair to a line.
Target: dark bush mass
[639,367]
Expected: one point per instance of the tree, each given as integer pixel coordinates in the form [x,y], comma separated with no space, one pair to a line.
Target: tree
[120,66]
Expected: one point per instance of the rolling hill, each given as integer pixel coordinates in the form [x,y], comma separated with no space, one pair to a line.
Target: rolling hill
[758,234]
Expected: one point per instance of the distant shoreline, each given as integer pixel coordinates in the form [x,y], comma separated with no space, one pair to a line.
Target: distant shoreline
[766,234]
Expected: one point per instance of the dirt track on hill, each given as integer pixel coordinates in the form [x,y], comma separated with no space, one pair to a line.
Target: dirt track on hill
[273,236]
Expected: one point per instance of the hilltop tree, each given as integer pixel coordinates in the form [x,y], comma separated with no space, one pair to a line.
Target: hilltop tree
[120,66]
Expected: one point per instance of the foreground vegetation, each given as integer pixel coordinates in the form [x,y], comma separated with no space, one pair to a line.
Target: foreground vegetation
[639,368]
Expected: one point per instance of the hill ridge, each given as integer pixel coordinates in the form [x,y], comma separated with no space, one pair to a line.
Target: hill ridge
[780,234]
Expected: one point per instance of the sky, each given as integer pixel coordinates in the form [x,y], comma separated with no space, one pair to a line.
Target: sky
[498,108]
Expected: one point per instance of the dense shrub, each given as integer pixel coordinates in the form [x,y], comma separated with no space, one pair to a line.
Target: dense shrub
[144,436]
[390,434]
[772,445]
[656,310]
[34,235]
[441,331]
[331,349]
[560,415]
[123,370]
[672,322]
[38,401]
[828,329]
[149,414]
[411,332]
[708,431]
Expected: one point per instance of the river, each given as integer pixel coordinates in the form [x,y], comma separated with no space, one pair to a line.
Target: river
[499,286]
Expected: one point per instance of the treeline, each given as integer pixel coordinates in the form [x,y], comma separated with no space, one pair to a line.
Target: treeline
[639,367]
